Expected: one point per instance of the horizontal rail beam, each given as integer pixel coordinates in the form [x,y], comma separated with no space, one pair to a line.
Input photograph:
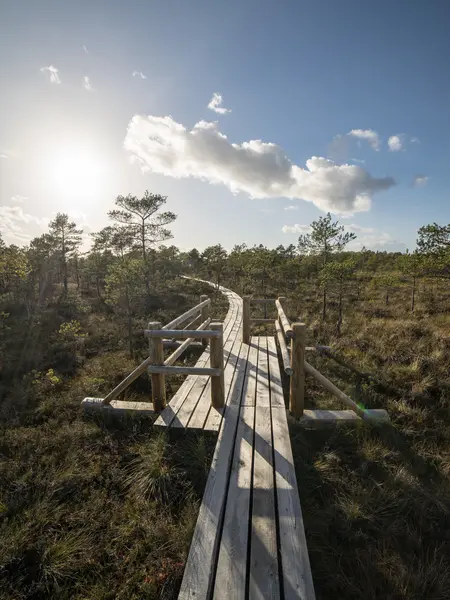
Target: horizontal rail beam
[328,385]
[261,321]
[182,334]
[179,351]
[288,331]
[168,370]
[173,344]
[284,349]
[185,316]
[262,300]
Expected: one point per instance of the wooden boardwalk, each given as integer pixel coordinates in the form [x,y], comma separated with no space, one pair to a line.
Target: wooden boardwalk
[249,541]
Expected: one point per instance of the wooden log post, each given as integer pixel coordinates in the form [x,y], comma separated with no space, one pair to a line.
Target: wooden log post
[156,353]
[204,315]
[297,389]
[217,382]
[246,319]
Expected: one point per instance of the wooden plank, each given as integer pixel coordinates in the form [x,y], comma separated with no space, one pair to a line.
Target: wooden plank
[318,418]
[202,417]
[276,386]
[246,319]
[91,405]
[215,417]
[262,387]
[295,567]
[199,570]
[264,578]
[249,395]
[232,562]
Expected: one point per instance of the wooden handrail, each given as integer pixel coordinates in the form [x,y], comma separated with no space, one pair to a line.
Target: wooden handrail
[181,334]
[168,370]
[288,331]
[262,300]
[179,351]
[283,348]
[185,316]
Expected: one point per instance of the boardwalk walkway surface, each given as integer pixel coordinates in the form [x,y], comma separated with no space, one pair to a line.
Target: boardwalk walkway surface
[249,540]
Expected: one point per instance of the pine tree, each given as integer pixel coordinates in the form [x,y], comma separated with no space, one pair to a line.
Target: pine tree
[65,238]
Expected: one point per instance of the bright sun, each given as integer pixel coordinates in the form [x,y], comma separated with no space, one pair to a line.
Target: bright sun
[77,173]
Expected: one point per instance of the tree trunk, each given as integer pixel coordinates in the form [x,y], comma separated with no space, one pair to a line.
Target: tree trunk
[339,321]
[129,323]
[413,295]
[77,273]
[64,261]
[324,304]
[387,297]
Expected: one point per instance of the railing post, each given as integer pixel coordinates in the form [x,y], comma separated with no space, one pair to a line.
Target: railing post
[297,389]
[246,319]
[205,315]
[156,353]
[217,381]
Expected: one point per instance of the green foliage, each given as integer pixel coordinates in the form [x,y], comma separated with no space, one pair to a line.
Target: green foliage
[326,237]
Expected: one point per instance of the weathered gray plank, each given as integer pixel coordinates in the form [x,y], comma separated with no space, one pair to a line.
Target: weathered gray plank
[235,391]
[232,562]
[262,388]
[204,408]
[276,388]
[295,567]
[317,418]
[264,580]
[249,396]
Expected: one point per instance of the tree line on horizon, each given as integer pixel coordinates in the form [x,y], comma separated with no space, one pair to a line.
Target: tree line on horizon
[129,262]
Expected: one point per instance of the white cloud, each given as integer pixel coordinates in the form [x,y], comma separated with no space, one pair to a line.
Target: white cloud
[52,72]
[139,74]
[86,51]
[296,228]
[415,140]
[215,104]
[291,207]
[420,180]
[395,143]
[18,198]
[369,135]
[360,230]
[358,160]
[4,156]
[259,169]
[87,84]
[373,239]
[12,219]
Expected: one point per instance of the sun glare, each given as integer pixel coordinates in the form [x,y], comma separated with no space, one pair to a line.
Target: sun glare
[77,174]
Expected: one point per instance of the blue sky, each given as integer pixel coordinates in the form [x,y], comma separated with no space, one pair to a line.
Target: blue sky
[326,79]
